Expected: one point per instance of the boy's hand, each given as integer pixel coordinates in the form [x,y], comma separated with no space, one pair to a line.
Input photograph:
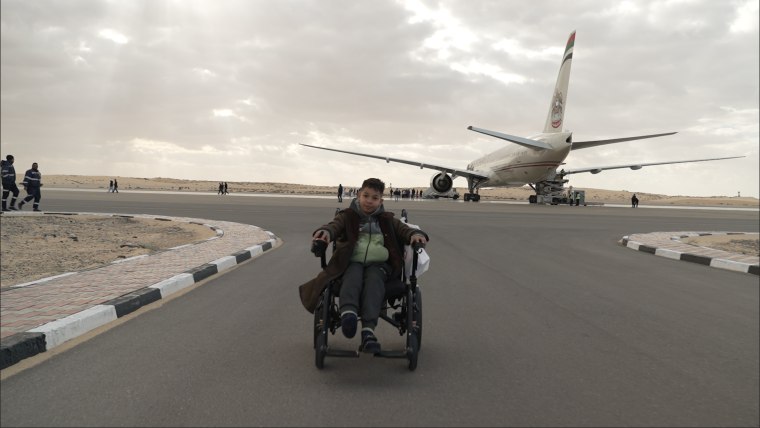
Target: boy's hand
[321,235]
[417,238]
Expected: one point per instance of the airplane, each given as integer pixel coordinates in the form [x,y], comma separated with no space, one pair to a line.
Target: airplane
[534,160]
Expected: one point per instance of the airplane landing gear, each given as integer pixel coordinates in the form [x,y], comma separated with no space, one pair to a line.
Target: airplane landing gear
[472,185]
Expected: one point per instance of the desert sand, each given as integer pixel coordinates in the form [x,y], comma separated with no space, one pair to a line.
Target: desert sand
[593,196]
[35,247]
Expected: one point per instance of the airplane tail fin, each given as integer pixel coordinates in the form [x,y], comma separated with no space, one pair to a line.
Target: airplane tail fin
[559,98]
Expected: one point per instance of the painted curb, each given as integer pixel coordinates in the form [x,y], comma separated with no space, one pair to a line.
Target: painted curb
[715,262]
[40,339]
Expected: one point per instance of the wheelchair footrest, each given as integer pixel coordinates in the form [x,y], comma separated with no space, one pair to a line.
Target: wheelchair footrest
[342,353]
[392,354]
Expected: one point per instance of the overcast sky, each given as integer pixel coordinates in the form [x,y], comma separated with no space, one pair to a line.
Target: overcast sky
[225,90]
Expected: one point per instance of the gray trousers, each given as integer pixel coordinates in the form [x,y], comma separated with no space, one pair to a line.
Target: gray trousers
[363,291]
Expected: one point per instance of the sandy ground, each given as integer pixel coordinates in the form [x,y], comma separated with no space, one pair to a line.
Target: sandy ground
[34,247]
[517,194]
[731,243]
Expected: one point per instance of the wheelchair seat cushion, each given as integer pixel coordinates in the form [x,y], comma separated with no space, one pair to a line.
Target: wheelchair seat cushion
[394,288]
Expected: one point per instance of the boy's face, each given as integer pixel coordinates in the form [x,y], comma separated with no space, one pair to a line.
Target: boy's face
[369,200]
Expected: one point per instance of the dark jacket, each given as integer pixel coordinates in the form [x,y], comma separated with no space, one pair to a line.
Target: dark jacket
[344,229]
[32,180]
[9,173]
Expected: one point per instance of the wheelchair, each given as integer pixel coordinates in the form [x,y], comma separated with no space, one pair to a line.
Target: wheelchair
[402,308]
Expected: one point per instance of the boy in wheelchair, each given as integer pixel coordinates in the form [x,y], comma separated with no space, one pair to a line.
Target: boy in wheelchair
[368,253]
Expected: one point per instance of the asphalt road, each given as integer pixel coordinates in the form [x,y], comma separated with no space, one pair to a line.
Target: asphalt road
[533,315]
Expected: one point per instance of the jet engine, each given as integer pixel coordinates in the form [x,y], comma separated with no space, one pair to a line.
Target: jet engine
[441,182]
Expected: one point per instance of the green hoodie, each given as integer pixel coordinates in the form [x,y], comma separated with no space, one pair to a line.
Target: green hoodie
[369,247]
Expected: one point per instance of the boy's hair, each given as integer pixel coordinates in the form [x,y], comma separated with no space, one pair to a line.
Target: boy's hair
[375,184]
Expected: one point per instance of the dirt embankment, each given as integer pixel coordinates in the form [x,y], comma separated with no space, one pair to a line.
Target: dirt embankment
[748,245]
[34,247]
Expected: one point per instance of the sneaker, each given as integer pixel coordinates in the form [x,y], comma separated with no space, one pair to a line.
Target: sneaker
[36,209]
[13,208]
[369,344]
[20,205]
[348,324]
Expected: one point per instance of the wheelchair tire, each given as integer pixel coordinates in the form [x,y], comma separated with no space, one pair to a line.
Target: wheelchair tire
[412,342]
[418,317]
[320,351]
[317,323]
[412,350]
[321,327]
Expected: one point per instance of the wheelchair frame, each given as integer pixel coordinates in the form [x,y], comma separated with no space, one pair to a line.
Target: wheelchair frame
[408,319]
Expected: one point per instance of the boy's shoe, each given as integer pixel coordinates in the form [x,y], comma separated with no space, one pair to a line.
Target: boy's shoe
[20,205]
[369,344]
[36,209]
[348,324]
[13,208]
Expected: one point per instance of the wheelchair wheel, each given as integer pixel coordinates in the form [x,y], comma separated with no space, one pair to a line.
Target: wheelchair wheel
[317,323]
[417,311]
[321,326]
[320,351]
[412,350]
[412,342]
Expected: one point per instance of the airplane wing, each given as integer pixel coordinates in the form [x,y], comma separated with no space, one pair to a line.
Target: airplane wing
[525,142]
[455,172]
[635,166]
[577,145]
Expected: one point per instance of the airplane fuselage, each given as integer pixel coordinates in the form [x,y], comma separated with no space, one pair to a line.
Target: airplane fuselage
[516,165]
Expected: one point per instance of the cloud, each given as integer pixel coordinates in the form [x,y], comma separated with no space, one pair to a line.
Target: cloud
[228,89]
[113,36]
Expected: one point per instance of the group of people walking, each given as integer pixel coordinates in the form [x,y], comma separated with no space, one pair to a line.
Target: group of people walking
[113,186]
[394,194]
[32,184]
[222,188]
[404,193]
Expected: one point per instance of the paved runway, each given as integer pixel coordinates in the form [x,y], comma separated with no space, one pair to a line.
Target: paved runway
[534,315]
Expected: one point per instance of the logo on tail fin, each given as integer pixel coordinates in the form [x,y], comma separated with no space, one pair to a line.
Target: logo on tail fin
[557,109]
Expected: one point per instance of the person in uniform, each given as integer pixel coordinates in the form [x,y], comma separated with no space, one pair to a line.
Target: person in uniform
[9,183]
[32,183]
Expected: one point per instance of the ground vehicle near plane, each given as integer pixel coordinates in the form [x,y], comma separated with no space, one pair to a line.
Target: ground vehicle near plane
[431,193]
[403,299]
[572,197]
